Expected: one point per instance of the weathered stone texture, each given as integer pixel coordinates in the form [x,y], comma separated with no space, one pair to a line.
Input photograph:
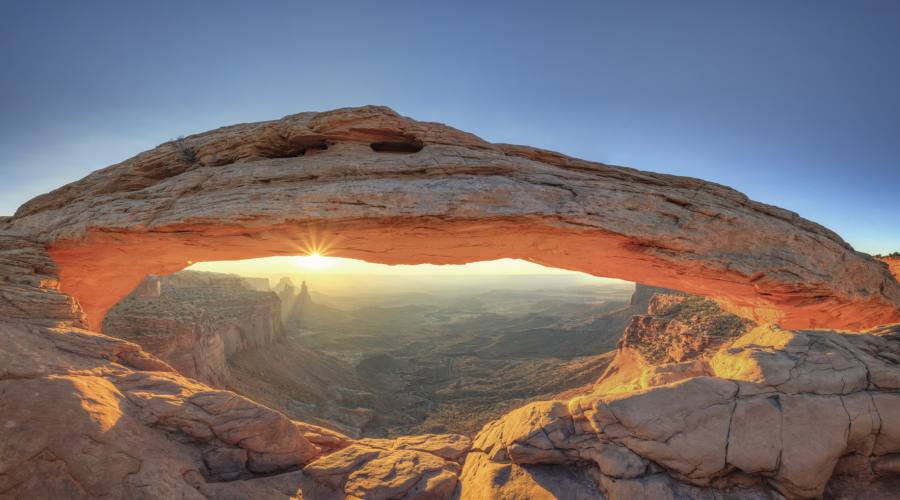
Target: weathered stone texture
[369,183]
[85,415]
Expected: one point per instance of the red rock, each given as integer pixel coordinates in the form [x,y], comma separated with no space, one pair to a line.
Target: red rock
[368,183]
[197,321]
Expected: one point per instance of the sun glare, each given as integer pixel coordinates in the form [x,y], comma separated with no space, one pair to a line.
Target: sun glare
[315,260]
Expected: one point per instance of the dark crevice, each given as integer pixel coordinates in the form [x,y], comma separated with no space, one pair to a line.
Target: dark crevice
[410,145]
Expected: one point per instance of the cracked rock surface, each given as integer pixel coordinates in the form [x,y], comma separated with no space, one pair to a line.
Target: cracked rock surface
[771,413]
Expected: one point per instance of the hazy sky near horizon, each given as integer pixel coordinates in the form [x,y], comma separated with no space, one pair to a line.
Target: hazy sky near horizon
[334,268]
[793,103]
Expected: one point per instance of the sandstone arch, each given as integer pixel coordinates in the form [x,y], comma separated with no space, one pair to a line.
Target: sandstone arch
[367,183]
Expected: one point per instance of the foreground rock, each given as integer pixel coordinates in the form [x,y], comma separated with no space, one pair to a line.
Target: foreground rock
[368,183]
[788,411]
[143,430]
[771,410]
[76,403]
[378,469]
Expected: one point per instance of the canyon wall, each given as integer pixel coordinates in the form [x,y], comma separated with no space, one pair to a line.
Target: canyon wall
[196,321]
[86,415]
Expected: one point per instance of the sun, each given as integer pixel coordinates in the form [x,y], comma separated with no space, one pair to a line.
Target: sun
[314,260]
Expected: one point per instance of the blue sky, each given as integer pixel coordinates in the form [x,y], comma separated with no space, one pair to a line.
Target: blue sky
[795,103]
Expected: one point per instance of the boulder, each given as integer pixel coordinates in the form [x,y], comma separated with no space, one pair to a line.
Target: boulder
[412,467]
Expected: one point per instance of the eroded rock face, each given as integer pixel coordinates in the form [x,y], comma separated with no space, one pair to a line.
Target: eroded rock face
[86,415]
[197,321]
[678,328]
[893,262]
[368,183]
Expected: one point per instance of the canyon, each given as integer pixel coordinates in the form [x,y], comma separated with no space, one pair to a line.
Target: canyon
[388,363]
[197,321]
[792,390]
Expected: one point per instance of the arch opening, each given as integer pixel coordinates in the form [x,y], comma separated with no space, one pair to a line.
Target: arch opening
[376,350]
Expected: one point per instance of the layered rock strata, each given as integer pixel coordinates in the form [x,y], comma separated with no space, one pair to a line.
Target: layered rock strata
[197,321]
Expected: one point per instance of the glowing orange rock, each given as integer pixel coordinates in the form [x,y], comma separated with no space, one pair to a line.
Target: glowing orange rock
[367,183]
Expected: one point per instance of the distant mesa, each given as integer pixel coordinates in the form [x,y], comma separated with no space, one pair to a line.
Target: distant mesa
[258,284]
[283,284]
[300,305]
[196,321]
[303,297]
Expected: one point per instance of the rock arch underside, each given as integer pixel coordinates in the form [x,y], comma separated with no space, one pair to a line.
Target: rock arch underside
[808,398]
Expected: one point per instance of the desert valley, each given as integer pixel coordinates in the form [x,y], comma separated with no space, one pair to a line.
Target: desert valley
[442,357]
